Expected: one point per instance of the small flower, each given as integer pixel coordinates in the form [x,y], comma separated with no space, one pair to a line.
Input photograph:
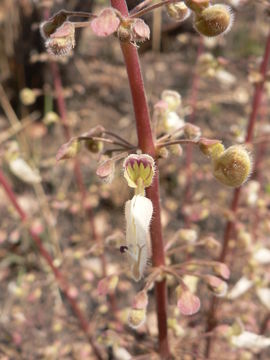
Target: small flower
[197,5]
[138,213]
[172,98]
[27,96]
[139,170]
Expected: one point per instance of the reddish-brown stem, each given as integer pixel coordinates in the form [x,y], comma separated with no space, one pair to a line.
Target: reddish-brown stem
[63,284]
[211,322]
[146,144]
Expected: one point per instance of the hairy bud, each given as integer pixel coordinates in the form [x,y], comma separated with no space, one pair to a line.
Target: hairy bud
[197,5]
[140,300]
[214,20]
[136,318]
[178,11]
[172,98]
[233,166]
[62,41]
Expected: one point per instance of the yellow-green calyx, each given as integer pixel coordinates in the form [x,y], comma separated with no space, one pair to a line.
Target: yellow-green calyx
[139,171]
[233,166]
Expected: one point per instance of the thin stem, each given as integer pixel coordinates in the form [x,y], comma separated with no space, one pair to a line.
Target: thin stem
[180,141]
[146,144]
[211,322]
[140,6]
[47,257]
[118,137]
[152,7]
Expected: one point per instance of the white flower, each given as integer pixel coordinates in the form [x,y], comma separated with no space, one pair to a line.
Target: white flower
[264,296]
[173,121]
[249,340]
[138,213]
[242,286]
[23,171]
[262,256]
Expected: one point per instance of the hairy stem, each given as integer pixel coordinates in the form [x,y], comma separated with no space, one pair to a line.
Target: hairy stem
[211,322]
[146,144]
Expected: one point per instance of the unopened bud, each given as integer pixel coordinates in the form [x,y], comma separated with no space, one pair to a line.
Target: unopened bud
[50,118]
[139,170]
[188,303]
[222,270]
[140,31]
[69,150]
[210,147]
[107,285]
[233,166]
[105,170]
[192,131]
[172,98]
[27,96]
[140,301]
[214,20]
[216,285]
[94,146]
[62,41]
[136,317]
[178,11]
[197,5]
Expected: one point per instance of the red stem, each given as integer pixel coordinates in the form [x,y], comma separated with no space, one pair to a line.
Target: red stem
[146,144]
[58,275]
[211,322]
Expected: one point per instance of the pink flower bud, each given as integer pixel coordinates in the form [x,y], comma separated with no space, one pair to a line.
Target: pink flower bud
[106,23]
[188,303]
[140,301]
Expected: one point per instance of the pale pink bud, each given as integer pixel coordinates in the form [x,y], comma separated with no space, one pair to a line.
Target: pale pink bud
[188,303]
[106,23]
[140,301]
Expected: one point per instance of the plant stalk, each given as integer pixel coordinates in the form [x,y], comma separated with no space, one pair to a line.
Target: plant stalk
[212,321]
[146,144]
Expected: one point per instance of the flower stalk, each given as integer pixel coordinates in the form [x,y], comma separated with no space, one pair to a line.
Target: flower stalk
[146,144]
[211,322]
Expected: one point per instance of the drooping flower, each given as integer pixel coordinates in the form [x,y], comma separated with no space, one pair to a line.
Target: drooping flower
[138,213]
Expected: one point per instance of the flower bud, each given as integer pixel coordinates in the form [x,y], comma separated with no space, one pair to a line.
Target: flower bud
[210,147]
[105,170]
[139,170]
[192,131]
[233,166]
[214,20]
[107,285]
[94,146]
[27,96]
[216,285]
[222,270]
[62,41]
[140,301]
[136,318]
[50,118]
[140,31]
[172,98]
[69,150]
[197,5]
[178,11]
[188,303]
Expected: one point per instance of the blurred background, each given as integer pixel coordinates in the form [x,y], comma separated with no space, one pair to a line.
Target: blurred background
[44,100]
